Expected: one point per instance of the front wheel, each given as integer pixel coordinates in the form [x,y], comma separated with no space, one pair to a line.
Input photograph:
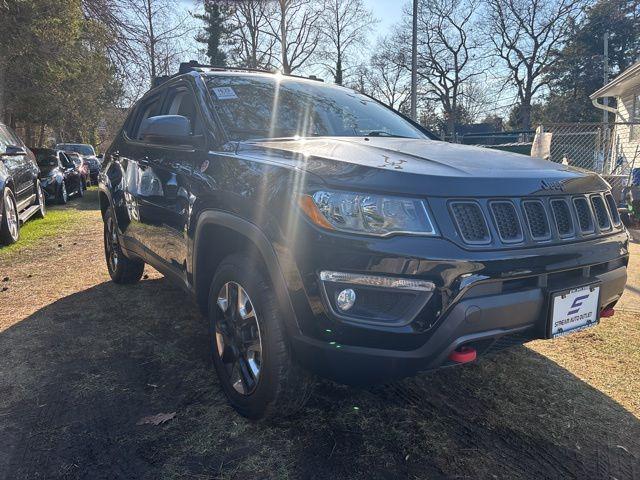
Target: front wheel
[63,195]
[121,268]
[81,188]
[41,201]
[10,225]
[250,351]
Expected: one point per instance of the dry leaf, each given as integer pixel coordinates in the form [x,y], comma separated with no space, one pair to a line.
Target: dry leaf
[156,419]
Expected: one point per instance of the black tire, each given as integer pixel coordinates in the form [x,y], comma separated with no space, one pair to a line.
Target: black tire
[122,269]
[81,189]
[42,203]
[10,225]
[63,194]
[282,387]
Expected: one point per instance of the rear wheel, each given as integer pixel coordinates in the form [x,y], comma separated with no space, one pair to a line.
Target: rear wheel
[250,351]
[81,188]
[10,225]
[121,268]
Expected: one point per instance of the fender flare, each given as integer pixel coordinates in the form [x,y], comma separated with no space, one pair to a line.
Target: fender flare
[253,233]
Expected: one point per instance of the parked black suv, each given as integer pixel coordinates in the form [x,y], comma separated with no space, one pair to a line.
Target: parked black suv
[20,190]
[323,232]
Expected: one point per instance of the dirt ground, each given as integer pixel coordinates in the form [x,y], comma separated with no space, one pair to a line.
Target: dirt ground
[83,360]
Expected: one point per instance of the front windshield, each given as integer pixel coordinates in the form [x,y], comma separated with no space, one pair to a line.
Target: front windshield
[251,106]
[78,148]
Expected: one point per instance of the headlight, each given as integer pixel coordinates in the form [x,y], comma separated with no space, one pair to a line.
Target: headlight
[367,213]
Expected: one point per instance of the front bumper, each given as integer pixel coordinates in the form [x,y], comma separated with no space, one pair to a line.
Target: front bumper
[487,301]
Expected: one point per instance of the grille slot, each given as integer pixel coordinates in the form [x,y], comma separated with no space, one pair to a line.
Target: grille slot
[537,220]
[507,222]
[562,216]
[602,217]
[471,222]
[613,209]
[585,219]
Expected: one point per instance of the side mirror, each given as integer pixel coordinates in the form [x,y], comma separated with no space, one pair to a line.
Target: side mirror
[14,151]
[167,129]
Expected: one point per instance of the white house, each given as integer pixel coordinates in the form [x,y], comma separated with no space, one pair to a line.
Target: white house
[625,88]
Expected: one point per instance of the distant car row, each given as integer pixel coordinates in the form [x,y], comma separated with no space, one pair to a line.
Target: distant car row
[29,178]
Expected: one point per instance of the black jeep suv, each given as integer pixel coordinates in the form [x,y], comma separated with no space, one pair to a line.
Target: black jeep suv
[322,232]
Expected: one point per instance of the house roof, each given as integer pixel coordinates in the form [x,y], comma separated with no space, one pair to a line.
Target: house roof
[627,79]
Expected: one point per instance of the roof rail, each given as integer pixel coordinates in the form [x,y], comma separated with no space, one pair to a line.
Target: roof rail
[194,66]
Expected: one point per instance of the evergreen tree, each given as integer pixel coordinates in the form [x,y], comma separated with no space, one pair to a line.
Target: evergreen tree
[579,70]
[215,31]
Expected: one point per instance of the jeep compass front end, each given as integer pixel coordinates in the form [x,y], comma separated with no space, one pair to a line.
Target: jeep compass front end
[322,232]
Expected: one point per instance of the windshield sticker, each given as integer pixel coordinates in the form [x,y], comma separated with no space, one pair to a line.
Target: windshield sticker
[225,93]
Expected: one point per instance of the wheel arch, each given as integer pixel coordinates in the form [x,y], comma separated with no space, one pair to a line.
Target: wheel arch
[219,234]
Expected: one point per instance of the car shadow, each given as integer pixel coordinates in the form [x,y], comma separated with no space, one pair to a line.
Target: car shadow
[78,376]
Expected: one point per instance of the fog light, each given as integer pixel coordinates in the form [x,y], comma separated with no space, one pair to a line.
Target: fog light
[345,299]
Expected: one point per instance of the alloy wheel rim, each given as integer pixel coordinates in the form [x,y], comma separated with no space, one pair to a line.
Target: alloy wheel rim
[64,192]
[12,217]
[41,200]
[238,338]
[111,244]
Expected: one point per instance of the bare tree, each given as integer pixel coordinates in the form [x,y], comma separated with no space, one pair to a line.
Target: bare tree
[389,80]
[158,34]
[295,26]
[345,25]
[525,34]
[252,45]
[449,53]
[148,36]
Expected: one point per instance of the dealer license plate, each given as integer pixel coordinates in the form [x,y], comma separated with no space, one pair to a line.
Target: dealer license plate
[574,310]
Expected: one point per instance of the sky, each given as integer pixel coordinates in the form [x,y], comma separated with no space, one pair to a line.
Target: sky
[388,12]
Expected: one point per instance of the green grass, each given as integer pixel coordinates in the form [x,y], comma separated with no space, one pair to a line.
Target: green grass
[59,220]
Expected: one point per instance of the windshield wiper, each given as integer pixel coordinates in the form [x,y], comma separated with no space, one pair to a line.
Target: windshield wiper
[382,133]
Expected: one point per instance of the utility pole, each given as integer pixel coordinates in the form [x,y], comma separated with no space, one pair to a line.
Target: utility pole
[414,64]
[605,113]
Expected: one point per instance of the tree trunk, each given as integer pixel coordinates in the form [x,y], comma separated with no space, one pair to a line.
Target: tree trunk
[338,78]
[3,103]
[525,115]
[41,136]
[286,68]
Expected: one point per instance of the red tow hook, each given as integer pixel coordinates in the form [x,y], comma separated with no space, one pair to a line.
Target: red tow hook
[607,312]
[463,354]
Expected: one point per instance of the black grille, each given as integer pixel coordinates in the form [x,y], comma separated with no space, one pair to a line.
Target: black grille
[507,221]
[613,209]
[471,222]
[601,212]
[562,216]
[584,215]
[537,219]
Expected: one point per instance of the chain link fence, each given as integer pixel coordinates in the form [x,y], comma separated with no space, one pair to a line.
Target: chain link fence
[612,150]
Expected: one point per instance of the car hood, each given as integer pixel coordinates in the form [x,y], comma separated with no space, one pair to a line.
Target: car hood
[417,166]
